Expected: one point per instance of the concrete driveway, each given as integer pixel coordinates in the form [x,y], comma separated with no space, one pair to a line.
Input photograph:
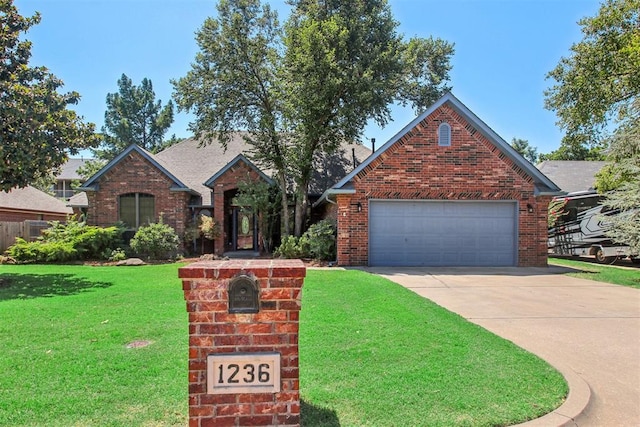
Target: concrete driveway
[589,330]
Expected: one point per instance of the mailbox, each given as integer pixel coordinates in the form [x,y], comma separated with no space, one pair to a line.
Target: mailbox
[243,295]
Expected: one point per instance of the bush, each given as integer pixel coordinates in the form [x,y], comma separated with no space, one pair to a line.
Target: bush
[155,241]
[289,248]
[67,242]
[318,242]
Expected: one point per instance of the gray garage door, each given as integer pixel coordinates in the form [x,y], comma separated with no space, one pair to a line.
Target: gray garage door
[438,233]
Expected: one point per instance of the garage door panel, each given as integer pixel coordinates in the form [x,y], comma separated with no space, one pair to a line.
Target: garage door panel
[423,233]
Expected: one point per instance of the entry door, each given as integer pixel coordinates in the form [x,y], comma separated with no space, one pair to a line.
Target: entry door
[244,230]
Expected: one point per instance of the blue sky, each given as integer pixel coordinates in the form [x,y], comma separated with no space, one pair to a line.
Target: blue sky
[504,49]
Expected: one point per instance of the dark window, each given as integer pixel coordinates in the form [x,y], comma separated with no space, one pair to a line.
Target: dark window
[137,209]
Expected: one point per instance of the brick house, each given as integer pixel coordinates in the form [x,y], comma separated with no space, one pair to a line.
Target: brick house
[445,191]
[31,204]
[189,179]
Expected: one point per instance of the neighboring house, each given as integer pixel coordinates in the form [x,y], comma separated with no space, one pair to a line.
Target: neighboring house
[186,180]
[445,191]
[572,175]
[67,176]
[29,203]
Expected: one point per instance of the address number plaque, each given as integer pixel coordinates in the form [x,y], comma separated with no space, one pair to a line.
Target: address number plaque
[231,373]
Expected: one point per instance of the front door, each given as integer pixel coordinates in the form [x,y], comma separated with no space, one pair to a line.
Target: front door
[243,230]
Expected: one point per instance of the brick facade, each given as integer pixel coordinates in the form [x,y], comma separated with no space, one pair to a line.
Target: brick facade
[416,167]
[135,174]
[213,330]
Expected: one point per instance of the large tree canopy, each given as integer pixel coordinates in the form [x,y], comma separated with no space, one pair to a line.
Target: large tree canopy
[133,116]
[596,85]
[37,131]
[597,99]
[302,89]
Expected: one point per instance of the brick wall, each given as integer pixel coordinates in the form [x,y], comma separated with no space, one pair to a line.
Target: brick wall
[135,174]
[19,216]
[415,167]
[213,330]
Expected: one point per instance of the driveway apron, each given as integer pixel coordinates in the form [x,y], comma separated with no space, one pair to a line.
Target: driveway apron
[586,329]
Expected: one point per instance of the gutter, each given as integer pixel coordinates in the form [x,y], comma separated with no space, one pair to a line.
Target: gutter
[331,192]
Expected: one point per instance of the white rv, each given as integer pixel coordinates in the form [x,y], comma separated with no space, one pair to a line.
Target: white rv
[580,229]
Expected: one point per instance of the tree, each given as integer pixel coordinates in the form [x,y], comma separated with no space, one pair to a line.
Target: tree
[233,84]
[596,85]
[133,116]
[345,64]
[528,152]
[597,101]
[302,91]
[37,130]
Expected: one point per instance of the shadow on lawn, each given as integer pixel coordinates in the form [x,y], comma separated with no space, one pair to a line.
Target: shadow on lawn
[312,416]
[28,286]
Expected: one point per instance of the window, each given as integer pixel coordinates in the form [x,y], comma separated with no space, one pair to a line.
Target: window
[444,135]
[137,209]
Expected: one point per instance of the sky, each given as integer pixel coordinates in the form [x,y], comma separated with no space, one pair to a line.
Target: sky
[503,51]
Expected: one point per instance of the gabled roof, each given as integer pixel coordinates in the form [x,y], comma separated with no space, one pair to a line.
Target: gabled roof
[33,200]
[572,175]
[239,158]
[543,184]
[93,182]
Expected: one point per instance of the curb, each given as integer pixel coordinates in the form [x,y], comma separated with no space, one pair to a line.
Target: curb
[575,404]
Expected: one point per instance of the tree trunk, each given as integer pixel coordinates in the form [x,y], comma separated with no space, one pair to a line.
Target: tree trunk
[284,204]
[302,204]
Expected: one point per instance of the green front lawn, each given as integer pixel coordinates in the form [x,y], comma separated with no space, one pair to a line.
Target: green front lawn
[371,353]
[601,273]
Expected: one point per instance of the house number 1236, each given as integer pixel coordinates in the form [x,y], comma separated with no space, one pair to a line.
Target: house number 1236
[232,373]
[229,373]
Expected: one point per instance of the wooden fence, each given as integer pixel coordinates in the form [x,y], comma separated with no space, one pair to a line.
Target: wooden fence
[28,230]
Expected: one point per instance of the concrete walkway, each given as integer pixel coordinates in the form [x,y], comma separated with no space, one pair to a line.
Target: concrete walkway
[588,330]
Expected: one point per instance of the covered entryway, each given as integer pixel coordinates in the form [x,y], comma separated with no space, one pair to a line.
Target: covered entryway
[442,233]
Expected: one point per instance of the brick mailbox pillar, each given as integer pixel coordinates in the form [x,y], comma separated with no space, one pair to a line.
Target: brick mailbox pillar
[243,342]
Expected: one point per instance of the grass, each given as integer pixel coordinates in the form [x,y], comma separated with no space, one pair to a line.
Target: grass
[601,273]
[374,354]
[371,354]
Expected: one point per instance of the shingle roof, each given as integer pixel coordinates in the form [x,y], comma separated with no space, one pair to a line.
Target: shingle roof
[572,175]
[34,200]
[196,164]
[69,170]
[192,163]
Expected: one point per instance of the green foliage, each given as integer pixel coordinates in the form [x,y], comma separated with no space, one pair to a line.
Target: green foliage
[599,81]
[68,241]
[134,116]
[528,152]
[302,90]
[320,239]
[90,168]
[156,241]
[318,242]
[37,131]
[290,248]
[117,254]
[556,211]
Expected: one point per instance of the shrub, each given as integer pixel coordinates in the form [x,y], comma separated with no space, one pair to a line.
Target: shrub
[320,240]
[66,242]
[289,248]
[155,241]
